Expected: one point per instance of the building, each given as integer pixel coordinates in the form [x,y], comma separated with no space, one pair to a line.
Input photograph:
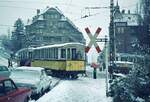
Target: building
[127,31]
[145,38]
[51,27]
[128,28]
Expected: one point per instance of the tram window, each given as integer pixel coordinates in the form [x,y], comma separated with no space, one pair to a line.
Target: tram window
[116,58]
[56,53]
[129,59]
[42,53]
[123,59]
[47,53]
[36,54]
[73,53]
[30,55]
[63,53]
[79,55]
[52,53]
[68,53]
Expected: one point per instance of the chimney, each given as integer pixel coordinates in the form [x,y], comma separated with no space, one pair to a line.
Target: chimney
[47,6]
[128,11]
[123,11]
[38,11]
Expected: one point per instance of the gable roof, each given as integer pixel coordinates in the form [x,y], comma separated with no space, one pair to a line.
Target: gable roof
[63,18]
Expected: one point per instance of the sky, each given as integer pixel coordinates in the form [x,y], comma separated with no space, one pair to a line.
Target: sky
[11,10]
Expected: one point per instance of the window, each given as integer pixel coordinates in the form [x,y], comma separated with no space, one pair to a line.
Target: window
[50,23]
[63,53]
[120,30]
[2,92]
[68,53]
[9,86]
[73,53]
[56,53]
[3,68]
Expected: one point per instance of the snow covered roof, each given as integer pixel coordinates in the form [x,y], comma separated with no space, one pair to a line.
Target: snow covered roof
[57,45]
[131,19]
[55,8]
[29,22]
[39,16]
[49,46]
[123,62]
[119,75]
[130,55]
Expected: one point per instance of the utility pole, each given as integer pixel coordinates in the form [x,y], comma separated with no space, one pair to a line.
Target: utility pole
[111,30]
[106,63]
[111,36]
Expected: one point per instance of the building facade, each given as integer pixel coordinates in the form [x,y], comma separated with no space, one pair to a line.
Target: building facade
[127,31]
[51,27]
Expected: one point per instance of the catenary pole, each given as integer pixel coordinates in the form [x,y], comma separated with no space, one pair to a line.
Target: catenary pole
[111,36]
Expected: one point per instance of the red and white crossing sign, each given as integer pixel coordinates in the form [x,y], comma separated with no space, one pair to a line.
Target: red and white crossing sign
[92,39]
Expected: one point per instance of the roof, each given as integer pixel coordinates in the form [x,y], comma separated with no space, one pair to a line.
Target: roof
[40,17]
[30,68]
[58,45]
[132,19]
[124,62]
[129,55]
[50,46]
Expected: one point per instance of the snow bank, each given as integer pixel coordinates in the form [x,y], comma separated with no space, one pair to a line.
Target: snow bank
[81,90]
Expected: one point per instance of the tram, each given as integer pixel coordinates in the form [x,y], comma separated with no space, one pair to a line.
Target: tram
[63,60]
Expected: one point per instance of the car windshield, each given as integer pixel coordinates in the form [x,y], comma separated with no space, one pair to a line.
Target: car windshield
[25,74]
[3,68]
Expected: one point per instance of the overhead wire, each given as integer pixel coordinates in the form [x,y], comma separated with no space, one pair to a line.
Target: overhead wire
[61,4]
[4,25]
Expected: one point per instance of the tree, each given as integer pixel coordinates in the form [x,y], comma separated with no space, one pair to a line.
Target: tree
[18,35]
[136,86]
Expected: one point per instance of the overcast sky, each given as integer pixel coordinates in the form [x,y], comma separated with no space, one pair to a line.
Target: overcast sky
[10,10]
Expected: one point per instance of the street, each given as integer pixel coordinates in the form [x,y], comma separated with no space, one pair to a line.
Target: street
[84,89]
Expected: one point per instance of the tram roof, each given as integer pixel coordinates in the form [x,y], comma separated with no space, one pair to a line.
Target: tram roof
[51,46]
[57,45]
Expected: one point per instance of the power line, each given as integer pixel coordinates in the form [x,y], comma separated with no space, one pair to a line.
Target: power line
[6,25]
[35,2]
[97,7]
[86,16]
[18,7]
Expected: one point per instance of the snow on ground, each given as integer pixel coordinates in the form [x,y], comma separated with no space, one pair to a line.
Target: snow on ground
[83,89]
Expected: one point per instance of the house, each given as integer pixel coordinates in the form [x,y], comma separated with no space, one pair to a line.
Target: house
[127,30]
[51,27]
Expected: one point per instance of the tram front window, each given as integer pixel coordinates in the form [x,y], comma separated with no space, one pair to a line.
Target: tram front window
[63,53]
[74,54]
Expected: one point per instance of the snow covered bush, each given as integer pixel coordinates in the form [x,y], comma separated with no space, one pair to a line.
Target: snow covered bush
[133,88]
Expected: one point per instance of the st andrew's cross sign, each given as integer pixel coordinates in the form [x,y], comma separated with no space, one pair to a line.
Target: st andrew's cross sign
[93,39]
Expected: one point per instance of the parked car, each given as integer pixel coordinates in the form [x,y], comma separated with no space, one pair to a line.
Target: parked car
[34,78]
[9,92]
[4,71]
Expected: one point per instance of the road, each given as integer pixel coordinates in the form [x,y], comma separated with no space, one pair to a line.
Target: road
[84,89]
